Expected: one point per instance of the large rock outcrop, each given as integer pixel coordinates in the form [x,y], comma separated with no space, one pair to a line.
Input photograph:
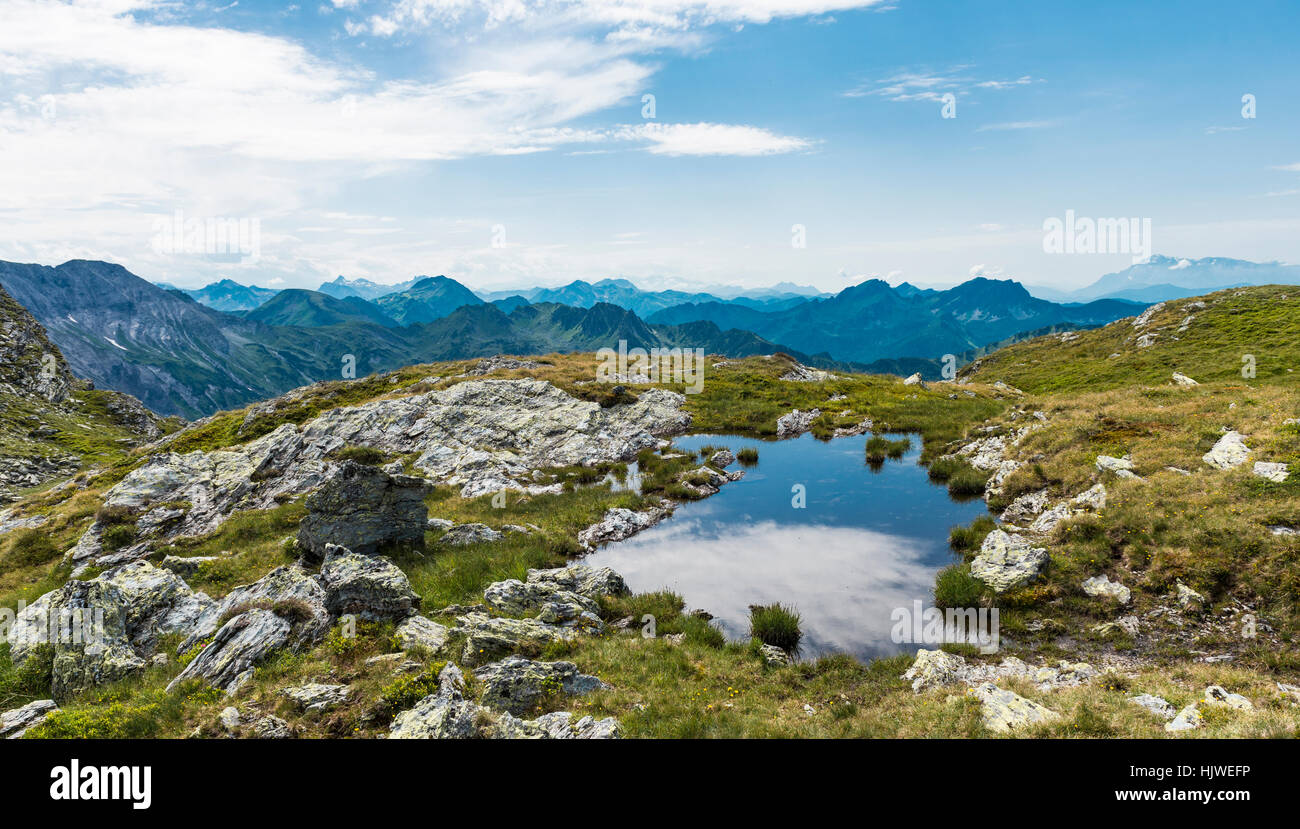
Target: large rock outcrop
[243,642]
[370,587]
[104,629]
[363,508]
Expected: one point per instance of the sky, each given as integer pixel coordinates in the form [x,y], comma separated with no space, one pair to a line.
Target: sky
[676,143]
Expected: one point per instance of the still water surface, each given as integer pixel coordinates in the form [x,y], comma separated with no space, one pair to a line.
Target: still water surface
[865,543]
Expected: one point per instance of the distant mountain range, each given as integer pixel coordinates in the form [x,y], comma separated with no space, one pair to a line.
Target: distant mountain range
[181,357]
[872,321]
[1162,278]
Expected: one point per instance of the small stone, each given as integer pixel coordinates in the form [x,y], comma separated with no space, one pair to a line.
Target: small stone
[1102,587]
[1183,379]
[1230,452]
[773,657]
[315,696]
[1275,472]
[1156,705]
[1004,711]
[1217,695]
[421,633]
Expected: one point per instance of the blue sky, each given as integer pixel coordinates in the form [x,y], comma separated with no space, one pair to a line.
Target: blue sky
[503,142]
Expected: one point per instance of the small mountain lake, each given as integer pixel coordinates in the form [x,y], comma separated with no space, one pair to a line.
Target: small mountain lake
[866,542]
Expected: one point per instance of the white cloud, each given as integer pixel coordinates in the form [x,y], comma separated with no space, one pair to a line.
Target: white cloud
[714,139]
[926,85]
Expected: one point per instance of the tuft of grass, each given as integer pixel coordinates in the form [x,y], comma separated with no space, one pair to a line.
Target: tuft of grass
[966,539]
[775,624]
[747,456]
[954,586]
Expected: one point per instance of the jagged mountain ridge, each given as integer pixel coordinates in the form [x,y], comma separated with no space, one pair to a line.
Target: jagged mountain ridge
[872,321]
[181,357]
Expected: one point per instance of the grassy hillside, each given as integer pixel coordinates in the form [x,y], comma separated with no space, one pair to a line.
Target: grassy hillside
[1205,338]
[1208,529]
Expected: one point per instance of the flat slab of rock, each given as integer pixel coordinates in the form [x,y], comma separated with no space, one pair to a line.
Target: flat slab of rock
[519,685]
[618,524]
[462,535]
[419,632]
[316,696]
[1101,587]
[1006,561]
[1006,711]
[15,723]
[1156,705]
[592,582]
[1230,452]
[243,642]
[1275,472]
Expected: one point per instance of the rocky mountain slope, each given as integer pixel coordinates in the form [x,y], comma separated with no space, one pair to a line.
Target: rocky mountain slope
[180,357]
[53,423]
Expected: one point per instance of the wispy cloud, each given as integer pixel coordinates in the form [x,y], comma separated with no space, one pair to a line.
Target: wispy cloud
[1017,125]
[927,85]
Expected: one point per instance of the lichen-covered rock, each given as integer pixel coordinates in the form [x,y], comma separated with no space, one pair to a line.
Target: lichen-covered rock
[1004,711]
[1217,695]
[1006,561]
[287,584]
[773,657]
[516,598]
[445,715]
[560,726]
[519,685]
[1026,507]
[1187,598]
[592,582]
[362,508]
[228,661]
[422,633]
[85,622]
[316,696]
[15,723]
[1183,380]
[619,523]
[158,603]
[1230,452]
[722,459]
[934,669]
[1106,463]
[1187,719]
[462,535]
[1275,472]
[1156,705]
[488,638]
[1102,587]
[796,423]
[370,587]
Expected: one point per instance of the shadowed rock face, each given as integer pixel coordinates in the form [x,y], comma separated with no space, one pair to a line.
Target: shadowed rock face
[362,508]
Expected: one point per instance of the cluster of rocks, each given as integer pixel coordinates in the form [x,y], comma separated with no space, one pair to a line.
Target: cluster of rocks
[447,714]
[482,435]
[549,606]
[938,669]
[800,373]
